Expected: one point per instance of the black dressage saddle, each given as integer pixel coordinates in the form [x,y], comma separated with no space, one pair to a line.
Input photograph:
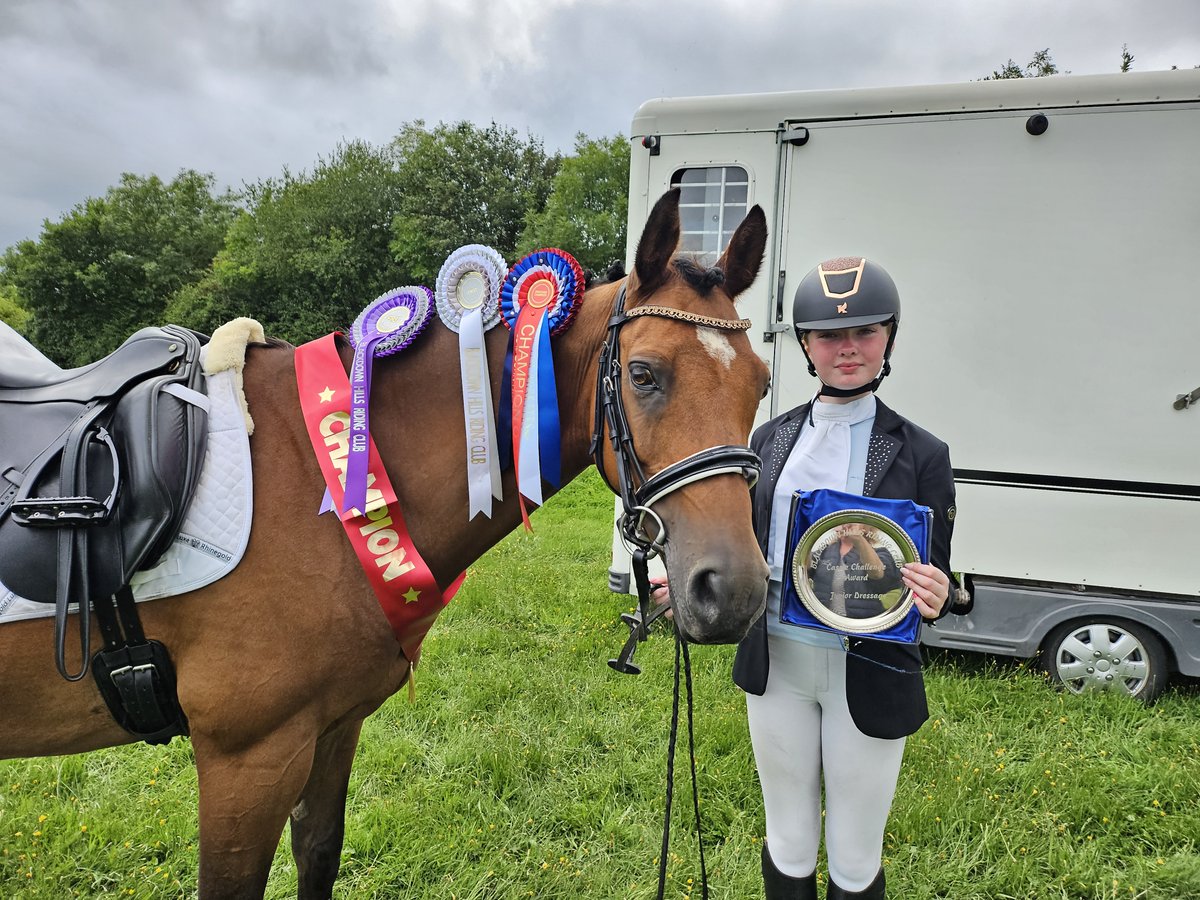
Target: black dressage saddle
[97,467]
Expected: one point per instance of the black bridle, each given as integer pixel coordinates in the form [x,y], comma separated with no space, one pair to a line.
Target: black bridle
[637,492]
[638,495]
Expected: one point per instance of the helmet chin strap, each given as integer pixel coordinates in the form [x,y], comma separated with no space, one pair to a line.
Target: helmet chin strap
[871,386]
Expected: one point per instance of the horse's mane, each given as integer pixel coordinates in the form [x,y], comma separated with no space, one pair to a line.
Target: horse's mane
[615,272]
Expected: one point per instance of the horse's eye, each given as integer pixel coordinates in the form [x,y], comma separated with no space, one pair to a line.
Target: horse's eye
[641,377]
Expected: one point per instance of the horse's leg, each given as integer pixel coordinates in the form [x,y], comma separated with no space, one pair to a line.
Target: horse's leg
[246,793]
[319,819]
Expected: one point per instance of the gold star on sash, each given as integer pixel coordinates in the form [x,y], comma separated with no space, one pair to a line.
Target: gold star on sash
[326,395]
[842,307]
[411,595]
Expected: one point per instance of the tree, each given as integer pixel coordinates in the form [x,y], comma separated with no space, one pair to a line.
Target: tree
[310,252]
[588,206]
[11,310]
[1040,65]
[1126,58]
[464,185]
[108,267]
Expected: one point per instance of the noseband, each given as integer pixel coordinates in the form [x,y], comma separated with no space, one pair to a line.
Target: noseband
[638,493]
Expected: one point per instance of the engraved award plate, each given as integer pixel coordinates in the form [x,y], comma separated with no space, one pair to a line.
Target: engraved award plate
[844,564]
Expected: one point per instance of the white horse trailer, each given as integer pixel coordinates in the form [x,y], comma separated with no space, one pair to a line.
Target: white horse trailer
[1045,237]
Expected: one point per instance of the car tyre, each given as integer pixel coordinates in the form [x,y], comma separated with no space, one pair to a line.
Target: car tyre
[1106,654]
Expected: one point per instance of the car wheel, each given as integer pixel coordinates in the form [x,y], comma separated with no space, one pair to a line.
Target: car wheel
[1101,655]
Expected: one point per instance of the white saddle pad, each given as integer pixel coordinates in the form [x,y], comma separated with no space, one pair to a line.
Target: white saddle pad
[217,526]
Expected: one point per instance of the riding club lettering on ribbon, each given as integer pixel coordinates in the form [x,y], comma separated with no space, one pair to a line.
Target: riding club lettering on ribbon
[538,300]
[405,588]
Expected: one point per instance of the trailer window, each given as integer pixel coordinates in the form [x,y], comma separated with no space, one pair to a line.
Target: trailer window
[712,203]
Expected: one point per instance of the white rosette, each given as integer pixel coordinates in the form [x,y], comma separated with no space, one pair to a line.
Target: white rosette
[467,294]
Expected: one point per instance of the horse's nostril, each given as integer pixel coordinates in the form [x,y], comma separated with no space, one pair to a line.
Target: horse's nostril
[704,584]
[723,601]
[721,585]
[710,590]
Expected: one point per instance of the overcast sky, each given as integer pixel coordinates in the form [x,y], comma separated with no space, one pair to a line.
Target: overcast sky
[241,88]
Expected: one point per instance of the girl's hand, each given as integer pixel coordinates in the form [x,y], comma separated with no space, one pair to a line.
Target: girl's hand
[660,594]
[929,585]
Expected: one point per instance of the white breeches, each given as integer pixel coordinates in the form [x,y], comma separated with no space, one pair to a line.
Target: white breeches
[802,731]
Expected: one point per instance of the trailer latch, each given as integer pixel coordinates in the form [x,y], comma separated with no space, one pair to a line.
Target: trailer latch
[1183,401]
[775,328]
[797,137]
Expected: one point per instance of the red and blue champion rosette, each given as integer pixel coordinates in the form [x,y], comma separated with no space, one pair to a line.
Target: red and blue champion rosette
[468,302]
[564,276]
[387,325]
[538,300]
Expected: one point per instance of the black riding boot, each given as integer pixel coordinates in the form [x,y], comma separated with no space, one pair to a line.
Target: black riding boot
[784,887]
[873,891]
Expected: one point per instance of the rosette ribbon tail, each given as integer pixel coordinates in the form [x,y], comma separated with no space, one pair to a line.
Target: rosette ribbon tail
[524,406]
[509,427]
[529,475]
[357,458]
[549,430]
[483,465]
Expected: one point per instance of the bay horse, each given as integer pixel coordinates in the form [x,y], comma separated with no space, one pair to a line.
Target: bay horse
[279,663]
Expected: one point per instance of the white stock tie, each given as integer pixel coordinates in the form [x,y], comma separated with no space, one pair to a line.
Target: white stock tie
[825,454]
[820,459]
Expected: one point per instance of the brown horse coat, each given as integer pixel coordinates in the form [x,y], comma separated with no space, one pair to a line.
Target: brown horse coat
[279,663]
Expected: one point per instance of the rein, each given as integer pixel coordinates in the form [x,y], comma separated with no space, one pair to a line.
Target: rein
[638,495]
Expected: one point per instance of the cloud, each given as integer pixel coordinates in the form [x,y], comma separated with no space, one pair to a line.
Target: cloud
[243,88]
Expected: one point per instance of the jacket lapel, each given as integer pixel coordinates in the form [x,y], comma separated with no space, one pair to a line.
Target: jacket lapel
[775,453]
[884,447]
[779,448]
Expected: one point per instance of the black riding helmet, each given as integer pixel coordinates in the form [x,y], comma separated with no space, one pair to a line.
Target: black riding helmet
[844,293]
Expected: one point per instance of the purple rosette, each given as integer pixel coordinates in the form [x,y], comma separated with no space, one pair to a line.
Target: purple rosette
[392,321]
[387,325]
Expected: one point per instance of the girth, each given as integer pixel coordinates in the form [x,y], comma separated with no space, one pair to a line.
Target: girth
[97,467]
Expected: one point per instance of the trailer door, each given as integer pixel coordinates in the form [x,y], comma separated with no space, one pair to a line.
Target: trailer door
[1050,314]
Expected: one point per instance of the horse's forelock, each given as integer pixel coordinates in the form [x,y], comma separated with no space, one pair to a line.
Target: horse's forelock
[699,276]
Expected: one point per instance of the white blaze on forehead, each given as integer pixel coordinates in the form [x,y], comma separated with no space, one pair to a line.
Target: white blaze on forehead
[717,345]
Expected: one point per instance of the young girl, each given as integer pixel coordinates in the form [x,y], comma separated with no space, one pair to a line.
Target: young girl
[824,709]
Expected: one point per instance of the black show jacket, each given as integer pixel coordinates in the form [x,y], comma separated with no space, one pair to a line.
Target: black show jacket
[904,462]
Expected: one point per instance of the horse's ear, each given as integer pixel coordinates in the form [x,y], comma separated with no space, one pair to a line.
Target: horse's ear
[742,258]
[657,245]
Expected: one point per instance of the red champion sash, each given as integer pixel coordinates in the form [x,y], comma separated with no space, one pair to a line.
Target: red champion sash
[405,588]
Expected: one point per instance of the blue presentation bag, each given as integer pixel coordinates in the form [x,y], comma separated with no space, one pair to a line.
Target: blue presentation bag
[809,507]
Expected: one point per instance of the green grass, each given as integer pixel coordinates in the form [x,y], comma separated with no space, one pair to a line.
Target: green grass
[528,768]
